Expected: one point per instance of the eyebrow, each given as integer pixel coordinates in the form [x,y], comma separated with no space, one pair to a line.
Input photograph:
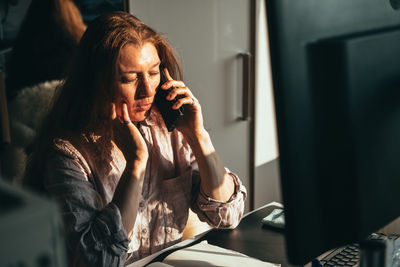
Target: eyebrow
[132,71]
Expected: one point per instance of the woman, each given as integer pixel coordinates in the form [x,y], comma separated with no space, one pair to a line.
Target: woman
[124,182]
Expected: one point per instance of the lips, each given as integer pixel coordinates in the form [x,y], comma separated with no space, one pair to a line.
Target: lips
[143,107]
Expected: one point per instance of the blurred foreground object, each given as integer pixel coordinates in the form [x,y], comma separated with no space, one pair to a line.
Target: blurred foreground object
[30,229]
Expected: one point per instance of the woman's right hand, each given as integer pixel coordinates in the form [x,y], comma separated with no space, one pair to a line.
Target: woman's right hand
[128,138]
[133,146]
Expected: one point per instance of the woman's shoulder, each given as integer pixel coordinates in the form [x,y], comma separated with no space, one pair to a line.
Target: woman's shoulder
[65,147]
[69,148]
[64,152]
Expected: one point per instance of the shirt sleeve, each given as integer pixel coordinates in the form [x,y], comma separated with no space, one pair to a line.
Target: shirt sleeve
[226,215]
[94,231]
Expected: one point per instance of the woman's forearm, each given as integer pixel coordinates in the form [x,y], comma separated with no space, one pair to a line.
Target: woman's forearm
[215,181]
[128,193]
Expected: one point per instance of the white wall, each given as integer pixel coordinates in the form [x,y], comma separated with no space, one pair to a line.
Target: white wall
[266,150]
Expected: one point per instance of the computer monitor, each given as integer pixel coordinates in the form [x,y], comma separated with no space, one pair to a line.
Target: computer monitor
[336,77]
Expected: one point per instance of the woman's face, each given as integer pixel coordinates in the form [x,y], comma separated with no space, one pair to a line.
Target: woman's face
[137,79]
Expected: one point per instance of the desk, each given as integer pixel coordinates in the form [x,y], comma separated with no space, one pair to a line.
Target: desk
[250,238]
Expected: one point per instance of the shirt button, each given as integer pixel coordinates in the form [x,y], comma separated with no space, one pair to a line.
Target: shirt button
[100,245]
[141,204]
[144,231]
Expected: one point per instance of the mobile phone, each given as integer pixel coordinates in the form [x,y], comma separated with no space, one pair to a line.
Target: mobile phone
[169,115]
[275,219]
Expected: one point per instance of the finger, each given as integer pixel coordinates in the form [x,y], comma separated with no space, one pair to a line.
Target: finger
[113,112]
[173,83]
[125,113]
[179,92]
[184,101]
[169,78]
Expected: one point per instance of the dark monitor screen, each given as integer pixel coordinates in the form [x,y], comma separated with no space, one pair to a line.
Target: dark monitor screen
[336,78]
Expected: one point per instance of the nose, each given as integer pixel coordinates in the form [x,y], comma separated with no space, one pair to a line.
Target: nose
[145,88]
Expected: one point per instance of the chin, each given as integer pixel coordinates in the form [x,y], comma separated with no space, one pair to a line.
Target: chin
[140,116]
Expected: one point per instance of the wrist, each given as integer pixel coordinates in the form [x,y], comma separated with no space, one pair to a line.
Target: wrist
[136,168]
[137,156]
[200,142]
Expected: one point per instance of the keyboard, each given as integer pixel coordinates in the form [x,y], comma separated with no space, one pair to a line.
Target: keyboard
[350,255]
[344,256]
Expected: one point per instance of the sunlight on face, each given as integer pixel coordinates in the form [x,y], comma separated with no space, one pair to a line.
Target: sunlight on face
[137,79]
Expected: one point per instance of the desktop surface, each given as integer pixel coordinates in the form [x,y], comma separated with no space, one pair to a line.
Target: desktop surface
[256,240]
[250,237]
[253,239]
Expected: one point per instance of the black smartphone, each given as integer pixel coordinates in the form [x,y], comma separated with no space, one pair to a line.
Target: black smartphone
[169,115]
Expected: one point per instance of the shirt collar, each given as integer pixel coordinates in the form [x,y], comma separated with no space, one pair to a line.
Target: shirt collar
[151,120]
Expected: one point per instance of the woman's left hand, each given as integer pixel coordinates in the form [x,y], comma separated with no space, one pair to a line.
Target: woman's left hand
[191,124]
[216,182]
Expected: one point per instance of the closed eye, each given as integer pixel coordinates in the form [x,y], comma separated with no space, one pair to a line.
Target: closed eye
[128,80]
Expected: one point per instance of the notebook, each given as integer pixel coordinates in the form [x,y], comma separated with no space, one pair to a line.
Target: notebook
[204,254]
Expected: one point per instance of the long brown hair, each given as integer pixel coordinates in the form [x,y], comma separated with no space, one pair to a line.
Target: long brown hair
[83,103]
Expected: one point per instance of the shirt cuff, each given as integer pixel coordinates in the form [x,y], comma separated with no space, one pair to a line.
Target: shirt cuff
[221,214]
[111,233]
[204,199]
